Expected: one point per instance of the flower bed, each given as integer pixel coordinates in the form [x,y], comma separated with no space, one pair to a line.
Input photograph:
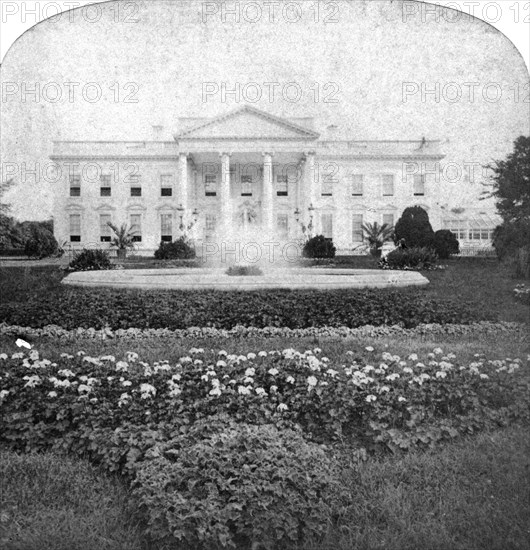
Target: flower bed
[370,331]
[213,429]
[116,309]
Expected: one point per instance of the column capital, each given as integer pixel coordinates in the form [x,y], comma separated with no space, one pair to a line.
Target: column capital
[267,154]
[221,155]
[183,154]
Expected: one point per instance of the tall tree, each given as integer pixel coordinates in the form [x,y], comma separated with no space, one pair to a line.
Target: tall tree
[511,183]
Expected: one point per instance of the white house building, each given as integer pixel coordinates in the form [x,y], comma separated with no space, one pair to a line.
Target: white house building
[242,175]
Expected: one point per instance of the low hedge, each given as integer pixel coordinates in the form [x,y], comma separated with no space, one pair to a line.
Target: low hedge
[117,309]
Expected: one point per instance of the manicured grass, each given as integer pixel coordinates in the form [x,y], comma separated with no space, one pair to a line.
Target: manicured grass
[51,502]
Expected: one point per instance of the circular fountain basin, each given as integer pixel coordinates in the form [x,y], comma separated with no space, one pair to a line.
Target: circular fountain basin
[217,279]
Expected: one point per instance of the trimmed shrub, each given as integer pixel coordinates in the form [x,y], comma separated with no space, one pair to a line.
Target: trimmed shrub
[41,243]
[177,250]
[319,247]
[237,486]
[90,260]
[410,258]
[244,271]
[445,243]
[414,227]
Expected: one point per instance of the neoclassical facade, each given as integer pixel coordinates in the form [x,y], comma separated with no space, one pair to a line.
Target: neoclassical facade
[241,176]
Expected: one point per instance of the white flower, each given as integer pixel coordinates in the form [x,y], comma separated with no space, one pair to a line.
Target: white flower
[261,392]
[273,371]
[66,373]
[484,376]
[222,352]
[216,391]
[197,362]
[282,407]
[126,383]
[274,389]
[80,353]
[124,397]
[412,357]
[250,372]
[220,364]
[407,370]
[401,399]
[290,380]
[3,356]
[367,348]
[392,377]
[84,388]
[384,389]
[441,374]
[185,359]
[312,381]
[420,365]
[332,372]
[108,358]
[437,351]
[251,355]
[32,381]
[370,398]
[243,390]
[52,394]
[316,351]
[147,391]
[368,368]
[262,354]
[4,394]
[122,366]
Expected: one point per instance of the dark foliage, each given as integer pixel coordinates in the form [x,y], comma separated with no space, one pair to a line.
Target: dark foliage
[40,243]
[121,309]
[177,250]
[319,247]
[410,258]
[90,260]
[414,227]
[244,271]
[445,243]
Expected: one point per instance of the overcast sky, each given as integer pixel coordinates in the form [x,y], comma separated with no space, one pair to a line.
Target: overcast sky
[365,69]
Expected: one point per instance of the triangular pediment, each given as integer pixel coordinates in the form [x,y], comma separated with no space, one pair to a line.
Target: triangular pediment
[247,123]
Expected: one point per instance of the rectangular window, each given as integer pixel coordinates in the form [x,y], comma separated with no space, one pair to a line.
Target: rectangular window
[210,224]
[327,185]
[75,228]
[105,231]
[105,185]
[388,185]
[458,227]
[327,225]
[282,224]
[166,185]
[166,227]
[282,185]
[246,186]
[210,185]
[357,184]
[388,219]
[419,185]
[136,191]
[136,227]
[75,185]
[357,228]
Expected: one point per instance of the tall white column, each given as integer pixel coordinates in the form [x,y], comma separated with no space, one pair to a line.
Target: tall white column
[226,204]
[268,208]
[183,176]
[310,179]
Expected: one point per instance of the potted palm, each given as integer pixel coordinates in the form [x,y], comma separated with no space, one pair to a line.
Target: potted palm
[377,235]
[123,239]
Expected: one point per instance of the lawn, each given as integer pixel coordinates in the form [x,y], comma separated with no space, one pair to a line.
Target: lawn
[463,483]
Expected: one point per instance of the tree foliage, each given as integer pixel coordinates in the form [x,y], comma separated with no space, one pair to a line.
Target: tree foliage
[414,227]
[511,183]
